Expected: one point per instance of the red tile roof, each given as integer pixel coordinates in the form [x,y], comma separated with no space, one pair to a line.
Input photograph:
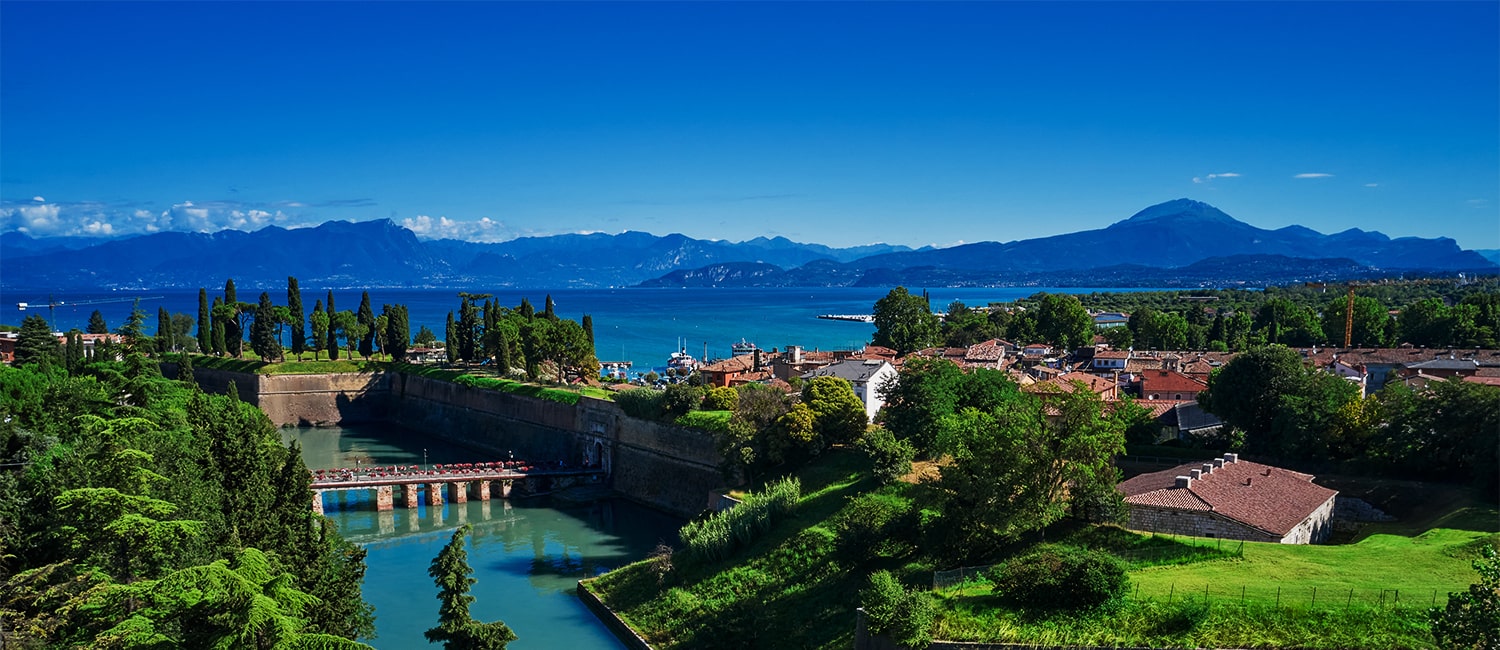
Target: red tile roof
[1167,381]
[1112,354]
[741,363]
[1261,496]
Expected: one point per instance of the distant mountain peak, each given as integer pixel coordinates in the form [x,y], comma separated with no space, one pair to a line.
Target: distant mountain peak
[1181,209]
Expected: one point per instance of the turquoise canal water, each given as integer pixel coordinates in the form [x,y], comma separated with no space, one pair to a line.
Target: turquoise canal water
[528,554]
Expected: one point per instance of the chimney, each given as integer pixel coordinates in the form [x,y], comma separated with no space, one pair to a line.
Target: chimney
[1208,468]
[1231,458]
[796,352]
[1268,471]
[1248,479]
[1196,473]
[1184,481]
[1218,462]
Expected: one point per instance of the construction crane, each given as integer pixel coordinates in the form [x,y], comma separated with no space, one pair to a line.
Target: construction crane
[53,304]
[1352,285]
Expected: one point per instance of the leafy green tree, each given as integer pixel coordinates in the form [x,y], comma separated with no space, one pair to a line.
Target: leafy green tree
[1013,470]
[890,458]
[73,358]
[838,414]
[1369,321]
[1062,321]
[319,323]
[924,392]
[1119,338]
[1472,620]
[1285,322]
[456,628]
[263,331]
[398,332]
[298,319]
[963,326]
[1285,408]
[794,437]
[425,337]
[904,322]
[96,324]
[35,343]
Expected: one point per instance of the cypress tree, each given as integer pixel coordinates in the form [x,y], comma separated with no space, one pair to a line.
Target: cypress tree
[491,318]
[163,331]
[218,327]
[502,352]
[549,309]
[234,334]
[205,325]
[231,297]
[299,319]
[527,311]
[450,346]
[333,329]
[97,324]
[367,318]
[319,328]
[456,628]
[468,323]
[588,328]
[263,330]
[185,371]
[73,352]
[398,332]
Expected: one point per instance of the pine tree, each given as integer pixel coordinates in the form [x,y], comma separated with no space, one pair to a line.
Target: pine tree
[96,324]
[367,319]
[333,330]
[456,629]
[205,324]
[299,319]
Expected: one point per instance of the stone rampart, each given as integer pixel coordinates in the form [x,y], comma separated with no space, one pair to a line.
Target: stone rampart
[668,467]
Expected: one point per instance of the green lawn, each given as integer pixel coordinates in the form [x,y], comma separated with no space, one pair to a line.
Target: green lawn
[1435,562]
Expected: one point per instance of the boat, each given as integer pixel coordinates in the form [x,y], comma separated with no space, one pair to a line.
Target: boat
[743,347]
[682,361]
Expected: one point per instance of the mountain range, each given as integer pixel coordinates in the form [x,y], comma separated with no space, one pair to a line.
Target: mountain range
[1172,243]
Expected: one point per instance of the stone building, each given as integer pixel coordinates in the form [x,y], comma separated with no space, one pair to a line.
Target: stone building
[1233,499]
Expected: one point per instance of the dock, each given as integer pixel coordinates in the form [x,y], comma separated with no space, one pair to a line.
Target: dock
[858,318]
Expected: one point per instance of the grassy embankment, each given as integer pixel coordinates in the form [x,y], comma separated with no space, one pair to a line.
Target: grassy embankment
[468,377]
[797,586]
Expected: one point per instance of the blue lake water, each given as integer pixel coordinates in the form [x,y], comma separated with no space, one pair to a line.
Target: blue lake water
[527,554]
[639,325]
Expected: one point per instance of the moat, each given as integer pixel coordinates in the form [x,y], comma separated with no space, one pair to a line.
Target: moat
[528,554]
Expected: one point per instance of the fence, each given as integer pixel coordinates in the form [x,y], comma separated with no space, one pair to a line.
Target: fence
[1293,597]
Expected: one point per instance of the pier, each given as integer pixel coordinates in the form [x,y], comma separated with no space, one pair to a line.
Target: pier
[454,483]
[858,318]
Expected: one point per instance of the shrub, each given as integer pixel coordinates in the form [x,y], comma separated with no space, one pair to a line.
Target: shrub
[678,399]
[890,456]
[716,421]
[904,615]
[1059,577]
[721,398]
[873,523]
[643,403]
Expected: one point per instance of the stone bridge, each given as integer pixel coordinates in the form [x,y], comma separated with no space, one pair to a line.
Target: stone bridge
[442,485]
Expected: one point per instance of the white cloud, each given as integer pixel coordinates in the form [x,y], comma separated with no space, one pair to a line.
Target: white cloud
[1313,175]
[1372,184]
[1205,179]
[484,229]
[94,219]
[38,199]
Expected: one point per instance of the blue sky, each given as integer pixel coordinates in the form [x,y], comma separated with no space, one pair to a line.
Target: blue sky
[844,123]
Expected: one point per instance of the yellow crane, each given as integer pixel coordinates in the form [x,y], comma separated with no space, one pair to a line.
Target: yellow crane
[1352,285]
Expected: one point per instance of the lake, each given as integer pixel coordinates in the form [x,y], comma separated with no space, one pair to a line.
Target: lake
[643,326]
[527,554]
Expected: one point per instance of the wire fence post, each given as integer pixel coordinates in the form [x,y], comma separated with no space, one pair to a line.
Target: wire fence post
[1205,594]
[1315,599]
[1171,592]
[1351,599]
[1242,595]
[1278,596]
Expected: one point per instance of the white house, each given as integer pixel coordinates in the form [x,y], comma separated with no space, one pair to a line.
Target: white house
[865,375]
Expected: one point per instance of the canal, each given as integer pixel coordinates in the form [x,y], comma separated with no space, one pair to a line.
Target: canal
[528,554]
